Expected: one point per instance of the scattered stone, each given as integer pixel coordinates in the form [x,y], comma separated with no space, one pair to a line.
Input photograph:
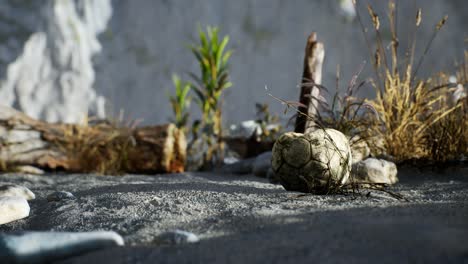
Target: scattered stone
[359,149]
[59,196]
[12,190]
[313,162]
[374,170]
[241,167]
[45,247]
[230,160]
[13,208]
[261,164]
[28,170]
[177,237]
[245,129]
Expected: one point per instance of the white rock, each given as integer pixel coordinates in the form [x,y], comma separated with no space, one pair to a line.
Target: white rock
[45,247]
[374,170]
[314,162]
[245,129]
[27,169]
[261,164]
[347,9]
[11,190]
[13,208]
[177,237]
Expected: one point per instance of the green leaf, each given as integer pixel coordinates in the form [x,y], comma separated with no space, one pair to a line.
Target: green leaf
[196,79]
[220,51]
[197,54]
[226,57]
[199,92]
[227,85]
[202,37]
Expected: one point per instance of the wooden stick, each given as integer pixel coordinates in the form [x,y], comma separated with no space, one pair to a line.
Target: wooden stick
[312,75]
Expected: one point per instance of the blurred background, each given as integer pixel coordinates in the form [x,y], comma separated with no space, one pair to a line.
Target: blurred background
[61,59]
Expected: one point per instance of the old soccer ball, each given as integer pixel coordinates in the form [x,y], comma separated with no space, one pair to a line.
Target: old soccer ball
[316,162]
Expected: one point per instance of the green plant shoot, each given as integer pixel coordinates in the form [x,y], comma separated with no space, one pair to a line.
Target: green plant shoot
[213,58]
[180,102]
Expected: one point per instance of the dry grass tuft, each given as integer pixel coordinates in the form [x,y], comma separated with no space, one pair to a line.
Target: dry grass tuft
[411,109]
[448,139]
[102,148]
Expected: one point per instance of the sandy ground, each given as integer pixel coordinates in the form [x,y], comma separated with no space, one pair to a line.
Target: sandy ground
[244,219]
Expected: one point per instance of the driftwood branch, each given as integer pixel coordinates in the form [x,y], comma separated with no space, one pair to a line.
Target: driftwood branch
[101,147]
[311,77]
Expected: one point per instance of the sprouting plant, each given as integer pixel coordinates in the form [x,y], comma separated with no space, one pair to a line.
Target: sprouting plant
[213,58]
[407,106]
[268,122]
[180,102]
[213,61]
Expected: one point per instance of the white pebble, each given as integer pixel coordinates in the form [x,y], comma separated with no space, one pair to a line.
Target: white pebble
[58,196]
[12,190]
[177,237]
[45,247]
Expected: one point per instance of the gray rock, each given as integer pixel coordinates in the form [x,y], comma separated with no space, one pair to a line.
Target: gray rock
[177,237]
[241,167]
[11,190]
[374,170]
[45,247]
[261,164]
[13,208]
[61,195]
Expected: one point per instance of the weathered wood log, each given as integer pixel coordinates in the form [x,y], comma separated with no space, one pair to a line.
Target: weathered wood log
[102,148]
[310,92]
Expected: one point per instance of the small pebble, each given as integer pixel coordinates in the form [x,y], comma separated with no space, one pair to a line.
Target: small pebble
[46,247]
[177,237]
[12,190]
[28,170]
[59,196]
